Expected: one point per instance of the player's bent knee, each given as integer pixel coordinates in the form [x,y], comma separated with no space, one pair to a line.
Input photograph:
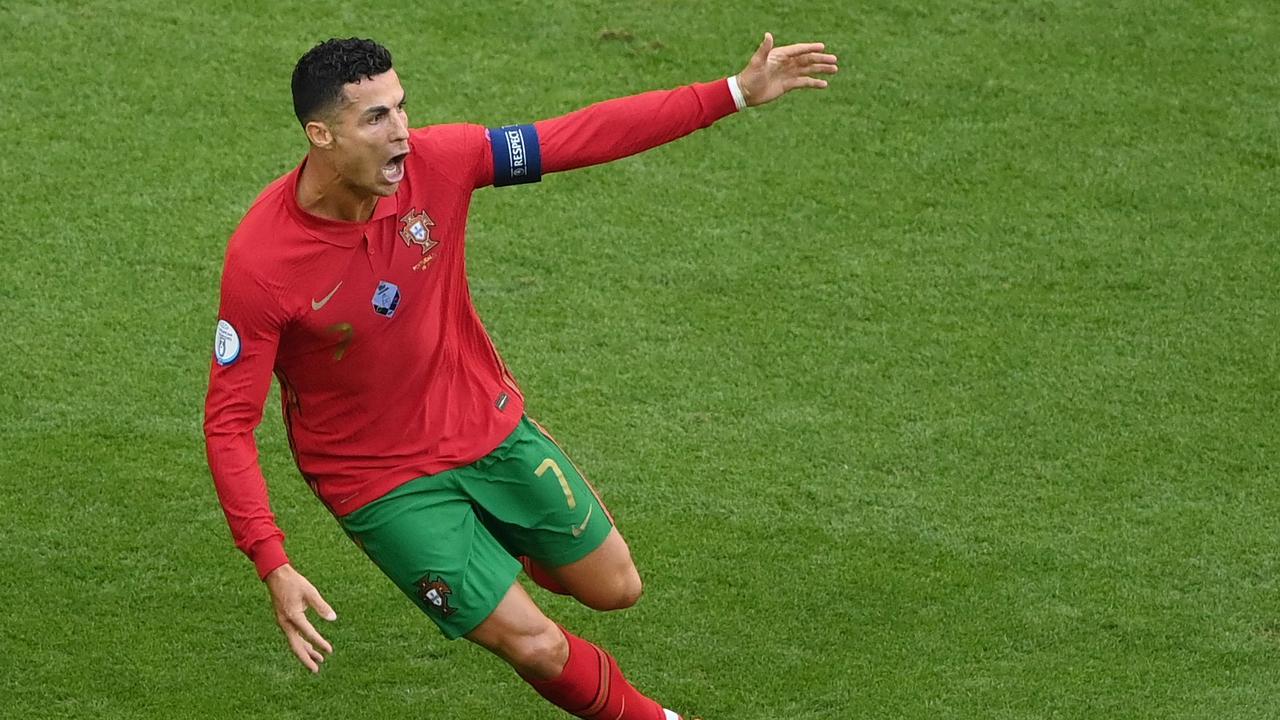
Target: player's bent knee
[620,594]
[540,655]
[630,592]
[519,633]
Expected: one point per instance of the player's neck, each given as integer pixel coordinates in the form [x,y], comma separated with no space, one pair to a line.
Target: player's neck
[322,193]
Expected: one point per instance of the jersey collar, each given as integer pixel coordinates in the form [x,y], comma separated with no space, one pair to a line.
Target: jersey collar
[334,232]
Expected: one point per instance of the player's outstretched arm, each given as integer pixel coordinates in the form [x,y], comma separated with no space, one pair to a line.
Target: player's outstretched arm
[618,128]
[774,71]
[292,594]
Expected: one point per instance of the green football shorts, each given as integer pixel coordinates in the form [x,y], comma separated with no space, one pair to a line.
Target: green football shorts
[449,540]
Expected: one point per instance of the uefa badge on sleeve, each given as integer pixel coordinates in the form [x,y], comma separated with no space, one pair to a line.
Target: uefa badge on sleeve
[226,344]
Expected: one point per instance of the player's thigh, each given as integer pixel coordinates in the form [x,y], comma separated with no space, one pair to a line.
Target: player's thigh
[425,536]
[605,579]
[536,501]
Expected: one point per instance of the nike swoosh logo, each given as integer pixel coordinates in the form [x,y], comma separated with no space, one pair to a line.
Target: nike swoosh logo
[577,531]
[317,305]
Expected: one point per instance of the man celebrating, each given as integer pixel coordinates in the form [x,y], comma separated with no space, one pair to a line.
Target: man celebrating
[346,279]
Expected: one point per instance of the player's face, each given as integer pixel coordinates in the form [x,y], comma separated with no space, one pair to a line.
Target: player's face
[371,135]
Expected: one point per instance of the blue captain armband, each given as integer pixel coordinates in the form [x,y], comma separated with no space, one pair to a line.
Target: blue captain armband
[517,158]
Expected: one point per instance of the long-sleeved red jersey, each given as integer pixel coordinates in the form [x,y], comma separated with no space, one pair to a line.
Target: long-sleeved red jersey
[386,372]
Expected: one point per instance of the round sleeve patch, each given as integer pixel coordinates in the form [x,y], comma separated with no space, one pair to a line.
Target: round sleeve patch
[226,344]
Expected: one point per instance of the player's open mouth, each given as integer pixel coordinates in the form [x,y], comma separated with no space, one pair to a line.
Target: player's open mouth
[393,171]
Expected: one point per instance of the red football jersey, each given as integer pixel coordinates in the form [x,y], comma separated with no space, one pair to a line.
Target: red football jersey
[386,371]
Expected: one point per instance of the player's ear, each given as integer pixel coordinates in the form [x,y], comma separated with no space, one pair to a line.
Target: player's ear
[319,134]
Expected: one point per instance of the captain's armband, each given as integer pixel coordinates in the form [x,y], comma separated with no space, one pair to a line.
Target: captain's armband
[517,158]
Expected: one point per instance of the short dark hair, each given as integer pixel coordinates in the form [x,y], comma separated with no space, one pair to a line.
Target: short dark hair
[320,74]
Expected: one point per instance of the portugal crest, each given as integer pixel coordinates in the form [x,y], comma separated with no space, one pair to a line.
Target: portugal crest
[415,228]
[435,594]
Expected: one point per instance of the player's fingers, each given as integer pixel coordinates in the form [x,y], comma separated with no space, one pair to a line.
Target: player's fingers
[316,656]
[822,69]
[805,82]
[790,51]
[322,607]
[303,652]
[309,633]
[815,58]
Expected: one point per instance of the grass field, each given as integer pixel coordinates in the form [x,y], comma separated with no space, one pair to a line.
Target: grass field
[950,392]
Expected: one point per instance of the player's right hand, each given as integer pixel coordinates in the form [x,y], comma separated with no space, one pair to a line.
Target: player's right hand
[775,71]
[292,594]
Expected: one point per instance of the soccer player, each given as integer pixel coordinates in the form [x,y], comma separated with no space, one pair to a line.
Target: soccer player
[346,279]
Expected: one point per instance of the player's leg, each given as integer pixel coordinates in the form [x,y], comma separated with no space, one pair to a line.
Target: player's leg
[611,561]
[426,537]
[568,671]
[606,579]
[541,507]
[518,632]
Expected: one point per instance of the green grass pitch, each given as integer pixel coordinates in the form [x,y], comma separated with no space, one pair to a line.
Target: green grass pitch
[950,392]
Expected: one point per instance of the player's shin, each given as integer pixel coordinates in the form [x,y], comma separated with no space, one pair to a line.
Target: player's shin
[592,687]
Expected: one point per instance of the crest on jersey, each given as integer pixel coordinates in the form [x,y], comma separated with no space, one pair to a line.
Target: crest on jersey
[435,594]
[415,229]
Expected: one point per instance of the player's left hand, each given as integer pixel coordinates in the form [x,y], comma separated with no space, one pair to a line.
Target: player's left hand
[772,72]
[292,595]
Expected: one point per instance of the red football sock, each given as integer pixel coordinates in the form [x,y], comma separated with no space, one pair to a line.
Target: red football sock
[592,687]
[539,575]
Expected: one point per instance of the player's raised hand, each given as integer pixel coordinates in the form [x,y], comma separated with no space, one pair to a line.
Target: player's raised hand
[773,72]
[292,594]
